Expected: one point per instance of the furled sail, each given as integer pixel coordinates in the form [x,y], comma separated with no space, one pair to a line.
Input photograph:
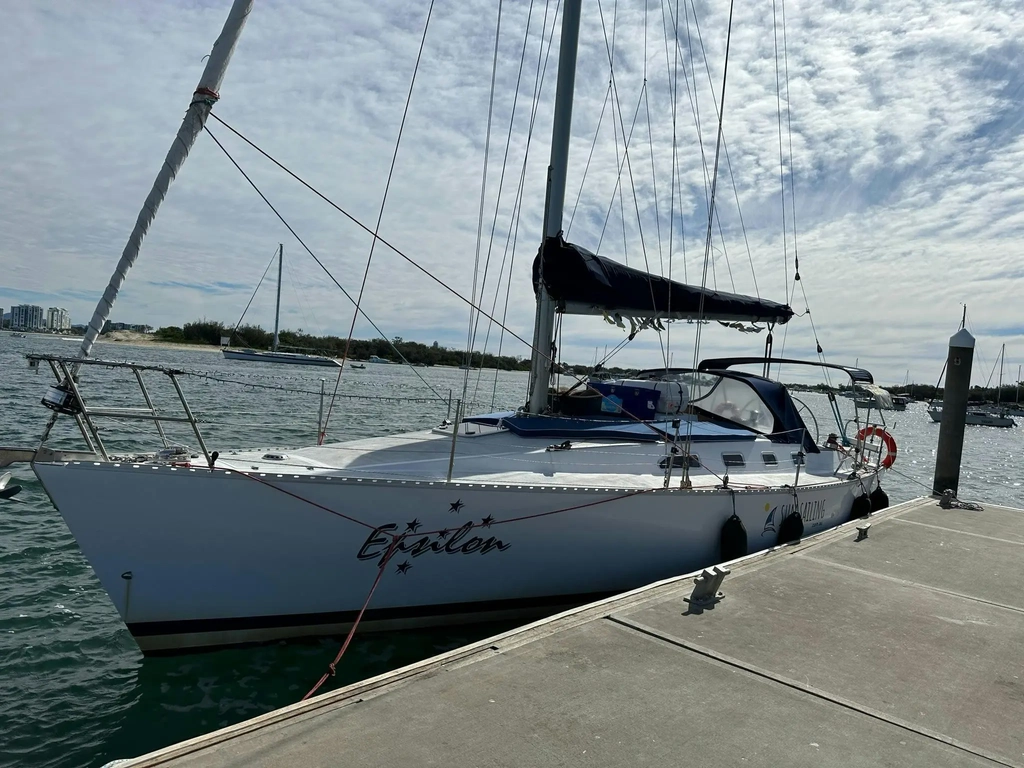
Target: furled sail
[583,283]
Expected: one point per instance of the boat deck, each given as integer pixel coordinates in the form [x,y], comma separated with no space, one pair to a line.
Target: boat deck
[905,648]
[491,456]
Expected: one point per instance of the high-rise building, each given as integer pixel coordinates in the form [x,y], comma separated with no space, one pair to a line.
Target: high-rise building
[27,317]
[1,317]
[58,319]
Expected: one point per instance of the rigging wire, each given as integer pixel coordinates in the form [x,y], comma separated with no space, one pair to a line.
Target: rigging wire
[395,249]
[590,157]
[315,257]
[728,165]
[303,305]
[714,185]
[545,354]
[616,190]
[650,141]
[792,167]
[501,178]
[512,237]
[471,330]
[782,160]
[672,73]
[380,217]
[629,169]
[234,331]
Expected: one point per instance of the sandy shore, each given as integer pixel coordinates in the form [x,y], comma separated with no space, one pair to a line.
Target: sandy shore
[131,339]
[158,344]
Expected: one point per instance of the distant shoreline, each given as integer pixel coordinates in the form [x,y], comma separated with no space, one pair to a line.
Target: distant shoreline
[124,338]
[157,344]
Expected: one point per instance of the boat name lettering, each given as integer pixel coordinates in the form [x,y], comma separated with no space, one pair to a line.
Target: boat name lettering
[810,511]
[377,544]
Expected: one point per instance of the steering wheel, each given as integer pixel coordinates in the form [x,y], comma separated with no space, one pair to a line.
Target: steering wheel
[803,410]
[727,410]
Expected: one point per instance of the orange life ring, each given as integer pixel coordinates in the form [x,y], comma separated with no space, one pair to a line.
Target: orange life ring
[886,438]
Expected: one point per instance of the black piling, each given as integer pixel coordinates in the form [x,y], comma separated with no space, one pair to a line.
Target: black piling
[954,412]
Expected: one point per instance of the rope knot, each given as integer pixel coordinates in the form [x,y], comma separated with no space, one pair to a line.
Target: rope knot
[333,669]
[204,95]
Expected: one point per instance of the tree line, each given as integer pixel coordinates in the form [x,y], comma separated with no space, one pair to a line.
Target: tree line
[256,337]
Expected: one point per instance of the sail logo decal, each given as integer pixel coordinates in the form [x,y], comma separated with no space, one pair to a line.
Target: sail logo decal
[811,511]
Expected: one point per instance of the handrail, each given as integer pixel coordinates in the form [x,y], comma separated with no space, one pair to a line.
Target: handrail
[66,398]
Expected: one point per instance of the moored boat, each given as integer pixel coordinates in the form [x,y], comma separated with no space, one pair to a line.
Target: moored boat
[976,417]
[579,493]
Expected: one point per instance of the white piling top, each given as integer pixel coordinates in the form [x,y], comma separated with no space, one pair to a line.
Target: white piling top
[962,339]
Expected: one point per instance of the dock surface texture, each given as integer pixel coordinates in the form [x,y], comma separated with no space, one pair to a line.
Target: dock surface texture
[903,649]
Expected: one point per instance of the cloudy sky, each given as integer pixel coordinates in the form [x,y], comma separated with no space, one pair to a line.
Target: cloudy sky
[902,140]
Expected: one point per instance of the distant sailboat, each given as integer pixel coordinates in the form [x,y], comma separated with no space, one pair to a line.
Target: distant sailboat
[273,356]
[978,417]
[1016,409]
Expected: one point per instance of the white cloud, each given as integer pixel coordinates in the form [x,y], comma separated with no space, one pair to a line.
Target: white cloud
[906,132]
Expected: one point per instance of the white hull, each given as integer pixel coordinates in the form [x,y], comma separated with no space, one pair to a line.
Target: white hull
[197,557]
[977,418]
[287,358]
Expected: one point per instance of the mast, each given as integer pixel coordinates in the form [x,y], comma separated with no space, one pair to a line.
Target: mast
[203,99]
[544,321]
[277,309]
[1002,358]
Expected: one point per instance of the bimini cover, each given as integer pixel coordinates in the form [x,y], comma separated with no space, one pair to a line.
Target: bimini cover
[584,283]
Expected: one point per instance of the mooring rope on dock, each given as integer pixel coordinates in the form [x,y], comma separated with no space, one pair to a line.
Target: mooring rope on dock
[332,668]
[948,500]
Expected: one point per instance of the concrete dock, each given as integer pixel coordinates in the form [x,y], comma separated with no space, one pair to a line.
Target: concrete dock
[904,648]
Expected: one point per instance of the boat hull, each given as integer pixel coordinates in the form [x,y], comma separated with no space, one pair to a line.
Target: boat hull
[284,358]
[200,558]
[977,419]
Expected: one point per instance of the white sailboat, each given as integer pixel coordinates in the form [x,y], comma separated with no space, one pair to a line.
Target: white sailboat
[577,495]
[274,356]
[976,417]
[1015,409]
[983,417]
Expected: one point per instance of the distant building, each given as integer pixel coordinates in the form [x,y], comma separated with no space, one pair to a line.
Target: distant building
[1,317]
[27,317]
[58,319]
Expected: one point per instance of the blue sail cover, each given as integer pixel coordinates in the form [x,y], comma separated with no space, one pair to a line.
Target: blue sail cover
[583,283]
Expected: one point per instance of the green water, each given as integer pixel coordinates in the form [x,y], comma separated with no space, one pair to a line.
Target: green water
[74,689]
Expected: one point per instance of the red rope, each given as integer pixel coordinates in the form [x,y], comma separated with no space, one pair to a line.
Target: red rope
[302,498]
[332,667]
